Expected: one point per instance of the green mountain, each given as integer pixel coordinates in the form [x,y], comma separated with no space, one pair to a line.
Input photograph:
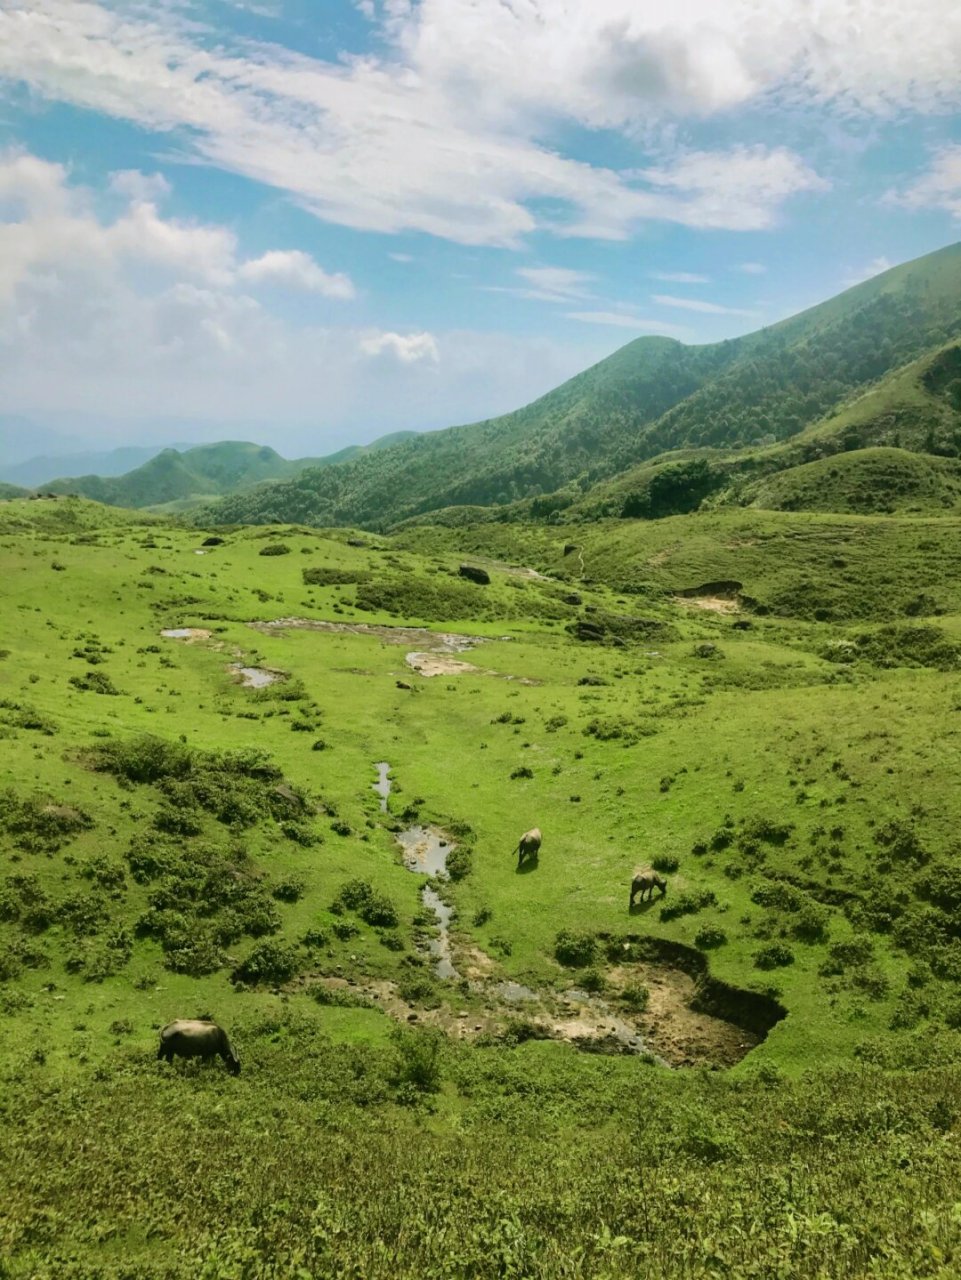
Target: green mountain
[653,397]
[11,491]
[175,481]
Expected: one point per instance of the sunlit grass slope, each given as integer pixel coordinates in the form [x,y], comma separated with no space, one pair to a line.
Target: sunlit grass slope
[762,702]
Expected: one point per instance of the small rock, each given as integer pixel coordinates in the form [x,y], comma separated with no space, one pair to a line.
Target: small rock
[463,1014]
[412,1017]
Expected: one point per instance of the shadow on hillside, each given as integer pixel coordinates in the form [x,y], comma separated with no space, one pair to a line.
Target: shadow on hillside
[528,865]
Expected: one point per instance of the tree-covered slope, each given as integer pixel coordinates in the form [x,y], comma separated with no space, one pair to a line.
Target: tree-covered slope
[653,396]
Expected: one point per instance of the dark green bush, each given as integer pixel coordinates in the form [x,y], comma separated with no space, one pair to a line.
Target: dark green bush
[775,956]
[689,903]
[275,549]
[575,949]
[709,936]
[273,962]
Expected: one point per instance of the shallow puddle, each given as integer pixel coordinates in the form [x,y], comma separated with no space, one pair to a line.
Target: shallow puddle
[382,785]
[186,633]
[254,677]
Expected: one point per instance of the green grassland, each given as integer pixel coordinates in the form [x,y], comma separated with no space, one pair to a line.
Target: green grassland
[764,703]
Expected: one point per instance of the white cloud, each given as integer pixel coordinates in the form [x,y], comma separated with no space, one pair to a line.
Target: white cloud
[114,320]
[697,304]
[560,282]
[144,188]
[624,320]
[752,268]
[938,188]
[49,225]
[296,270]
[401,257]
[408,348]
[680,277]
[873,268]
[413,140]
[620,62]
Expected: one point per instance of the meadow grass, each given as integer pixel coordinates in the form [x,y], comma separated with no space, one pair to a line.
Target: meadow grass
[794,778]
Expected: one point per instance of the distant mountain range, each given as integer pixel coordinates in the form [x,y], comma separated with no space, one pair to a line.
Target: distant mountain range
[36,471]
[177,480]
[878,365]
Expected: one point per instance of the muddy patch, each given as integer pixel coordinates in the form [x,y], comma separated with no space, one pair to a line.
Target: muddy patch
[189,634]
[254,677]
[713,604]
[413,637]
[436,664]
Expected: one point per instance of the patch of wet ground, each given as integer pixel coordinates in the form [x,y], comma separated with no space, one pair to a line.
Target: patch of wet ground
[186,633]
[433,655]
[421,637]
[255,677]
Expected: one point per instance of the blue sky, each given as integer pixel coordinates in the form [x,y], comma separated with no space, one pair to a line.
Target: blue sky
[311,222]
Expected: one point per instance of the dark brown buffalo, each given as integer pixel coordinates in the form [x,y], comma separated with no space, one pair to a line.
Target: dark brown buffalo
[647,882]
[195,1038]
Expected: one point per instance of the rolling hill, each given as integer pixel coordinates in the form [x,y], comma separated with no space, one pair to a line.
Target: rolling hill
[176,481]
[653,397]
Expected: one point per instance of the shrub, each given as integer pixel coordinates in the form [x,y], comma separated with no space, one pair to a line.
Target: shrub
[95,682]
[418,1060]
[685,904]
[272,961]
[290,890]
[275,549]
[709,936]
[575,949]
[522,772]
[775,956]
[635,997]
[322,576]
[459,862]
[665,862]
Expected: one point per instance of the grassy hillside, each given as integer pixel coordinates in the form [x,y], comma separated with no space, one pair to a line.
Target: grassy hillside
[653,397]
[756,702]
[11,491]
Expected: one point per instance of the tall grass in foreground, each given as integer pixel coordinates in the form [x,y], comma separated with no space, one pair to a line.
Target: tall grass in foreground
[337,1160]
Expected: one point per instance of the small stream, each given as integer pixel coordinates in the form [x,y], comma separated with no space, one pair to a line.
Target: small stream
[425,851]
[382,785]
[584,1019]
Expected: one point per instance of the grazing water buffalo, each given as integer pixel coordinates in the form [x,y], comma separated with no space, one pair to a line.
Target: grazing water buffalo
[646,882]
[194,1038]
[529,846]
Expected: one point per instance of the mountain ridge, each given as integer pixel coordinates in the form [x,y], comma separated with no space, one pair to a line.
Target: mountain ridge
[651,398]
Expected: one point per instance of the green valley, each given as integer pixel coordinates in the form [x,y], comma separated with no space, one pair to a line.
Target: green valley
[211,744]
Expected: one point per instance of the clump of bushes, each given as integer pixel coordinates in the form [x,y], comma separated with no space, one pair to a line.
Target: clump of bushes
[666,862]
[522,771]
[635,997]
[575,949]
[323,576]
[459,862]
[95,682]
[275,549]
[272,961]
[709,936]
[689,903]
[38,824]
[774,956]
[360,897]
[21,715]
